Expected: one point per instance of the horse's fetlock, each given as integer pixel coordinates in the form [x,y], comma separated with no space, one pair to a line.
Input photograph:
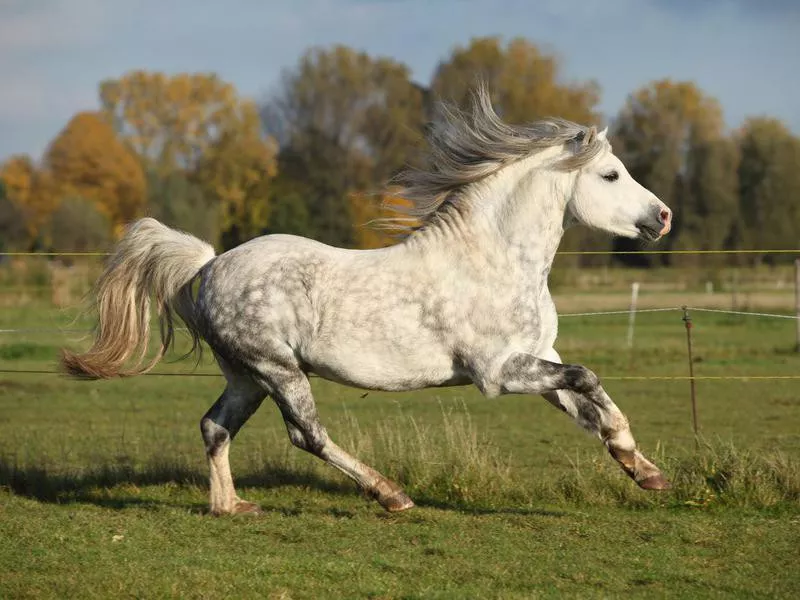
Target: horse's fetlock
[316,445]
[214,436]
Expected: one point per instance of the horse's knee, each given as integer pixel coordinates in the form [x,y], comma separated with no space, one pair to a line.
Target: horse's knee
[580,379]
[296,436]
[214,436]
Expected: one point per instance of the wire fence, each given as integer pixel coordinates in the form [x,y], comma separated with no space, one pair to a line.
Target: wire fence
[740,377]
[632,311]
[601,313]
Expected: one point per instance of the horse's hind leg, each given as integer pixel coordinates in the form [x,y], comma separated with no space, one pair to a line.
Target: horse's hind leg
[219,426]
[292,394]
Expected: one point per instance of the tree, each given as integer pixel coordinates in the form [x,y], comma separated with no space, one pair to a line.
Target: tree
[172,121]
[178,202]
[88,160]
[237,173]
[77,225]
[288,208]
[769,184]
[13,234]
[523,81]
[669,135]
[30,191]
[346,122]
[197,125]
[709,222]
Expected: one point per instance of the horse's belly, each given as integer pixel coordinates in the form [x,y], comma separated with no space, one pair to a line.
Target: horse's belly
[379,369]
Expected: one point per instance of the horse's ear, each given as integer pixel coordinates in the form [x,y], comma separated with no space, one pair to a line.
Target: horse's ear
[590,136]
[602,135]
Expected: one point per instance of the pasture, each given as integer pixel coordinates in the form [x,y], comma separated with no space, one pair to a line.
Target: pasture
[103,486]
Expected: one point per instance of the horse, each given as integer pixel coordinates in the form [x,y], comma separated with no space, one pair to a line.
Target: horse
[462,298]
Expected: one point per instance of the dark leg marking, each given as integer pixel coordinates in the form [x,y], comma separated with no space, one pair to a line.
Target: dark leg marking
[218,427]
[577,391]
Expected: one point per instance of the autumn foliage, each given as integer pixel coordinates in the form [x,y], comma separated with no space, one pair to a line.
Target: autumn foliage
[314,157]
[88,160]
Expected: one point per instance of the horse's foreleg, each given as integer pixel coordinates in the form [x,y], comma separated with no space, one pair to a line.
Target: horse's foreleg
[293,397]
[219,426]
[577,391]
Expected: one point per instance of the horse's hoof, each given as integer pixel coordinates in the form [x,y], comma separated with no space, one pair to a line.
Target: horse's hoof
[655,482]
[243,507]
[390,495]
[396,502]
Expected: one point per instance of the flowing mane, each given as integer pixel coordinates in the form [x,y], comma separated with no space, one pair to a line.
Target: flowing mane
[466,148]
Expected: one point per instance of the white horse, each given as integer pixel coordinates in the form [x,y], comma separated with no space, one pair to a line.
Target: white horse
[462,299]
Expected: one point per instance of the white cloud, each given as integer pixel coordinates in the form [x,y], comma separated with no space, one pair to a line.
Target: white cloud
[54,52]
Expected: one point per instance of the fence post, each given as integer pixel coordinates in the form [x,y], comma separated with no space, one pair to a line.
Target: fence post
[797,301]
[688,322]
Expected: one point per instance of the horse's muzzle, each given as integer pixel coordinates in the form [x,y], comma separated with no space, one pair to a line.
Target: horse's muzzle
[655,225]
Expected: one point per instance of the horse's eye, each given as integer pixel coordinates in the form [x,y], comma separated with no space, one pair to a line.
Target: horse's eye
[612,176]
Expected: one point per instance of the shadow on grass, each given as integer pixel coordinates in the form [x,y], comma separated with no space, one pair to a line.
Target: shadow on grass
[715,475]
[478,509]
[115,486]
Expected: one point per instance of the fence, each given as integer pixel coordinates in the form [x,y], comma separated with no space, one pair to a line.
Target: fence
[632,311]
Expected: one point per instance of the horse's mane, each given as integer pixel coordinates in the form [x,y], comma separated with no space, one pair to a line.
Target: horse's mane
[464,148]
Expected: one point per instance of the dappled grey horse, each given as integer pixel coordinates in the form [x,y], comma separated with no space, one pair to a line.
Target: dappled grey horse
[463,298]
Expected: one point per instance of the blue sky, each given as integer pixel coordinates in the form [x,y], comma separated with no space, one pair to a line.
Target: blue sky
[53,53]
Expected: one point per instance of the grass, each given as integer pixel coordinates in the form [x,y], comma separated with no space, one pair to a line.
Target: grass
[103,485]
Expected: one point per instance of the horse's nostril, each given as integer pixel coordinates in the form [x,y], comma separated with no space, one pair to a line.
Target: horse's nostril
[664,215]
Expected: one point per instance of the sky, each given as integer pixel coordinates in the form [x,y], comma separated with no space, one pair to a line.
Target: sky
[53,53]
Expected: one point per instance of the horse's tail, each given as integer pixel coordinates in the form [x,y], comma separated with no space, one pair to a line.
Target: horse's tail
[150,259]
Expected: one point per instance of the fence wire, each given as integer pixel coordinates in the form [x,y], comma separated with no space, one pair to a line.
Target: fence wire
[561,315]
[564,315]
[583,314]
[609,377]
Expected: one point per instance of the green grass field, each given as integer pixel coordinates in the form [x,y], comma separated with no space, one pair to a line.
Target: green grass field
[103,484]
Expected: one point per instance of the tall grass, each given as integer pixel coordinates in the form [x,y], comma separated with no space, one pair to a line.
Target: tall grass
[446,461]
[449,463]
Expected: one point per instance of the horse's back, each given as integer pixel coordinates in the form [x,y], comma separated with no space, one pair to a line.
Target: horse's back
[355,316]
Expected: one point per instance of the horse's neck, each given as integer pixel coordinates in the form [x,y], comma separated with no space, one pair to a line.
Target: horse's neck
[516,215]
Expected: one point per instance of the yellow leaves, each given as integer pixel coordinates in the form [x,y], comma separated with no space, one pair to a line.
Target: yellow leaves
[18,174]
[196,124]
[522,79]
[30,189]
[367,211]
[172,121]
[88,160]
[236,172]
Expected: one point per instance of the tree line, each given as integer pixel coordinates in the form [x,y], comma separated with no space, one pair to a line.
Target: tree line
[312,158]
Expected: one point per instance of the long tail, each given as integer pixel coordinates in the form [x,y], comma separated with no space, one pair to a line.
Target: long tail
[150,259]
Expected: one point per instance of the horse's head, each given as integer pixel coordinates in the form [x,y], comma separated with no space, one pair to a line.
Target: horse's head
[606,197]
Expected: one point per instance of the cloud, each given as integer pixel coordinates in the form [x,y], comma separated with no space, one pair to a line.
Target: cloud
[53,53]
